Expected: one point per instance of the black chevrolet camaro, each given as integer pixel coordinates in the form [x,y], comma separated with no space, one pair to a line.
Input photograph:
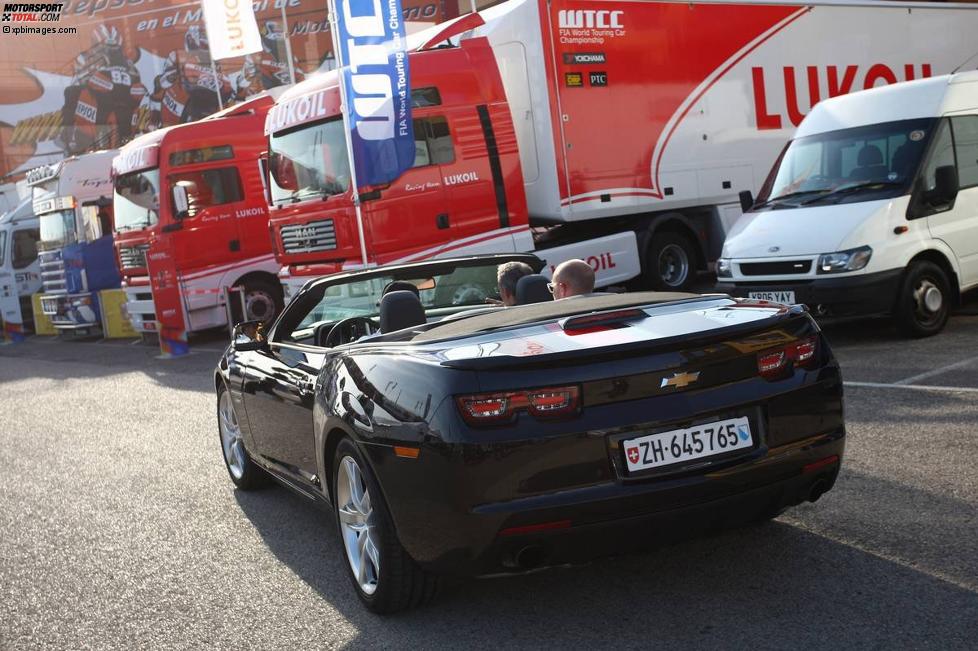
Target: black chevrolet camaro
[451,437]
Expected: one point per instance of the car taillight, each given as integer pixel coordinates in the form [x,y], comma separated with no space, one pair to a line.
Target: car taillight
[499,407]
[800,353]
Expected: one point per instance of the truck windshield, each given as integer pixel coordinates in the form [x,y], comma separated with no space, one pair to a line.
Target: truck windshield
[57,229]
[137,200]
[859,164]
[309,162]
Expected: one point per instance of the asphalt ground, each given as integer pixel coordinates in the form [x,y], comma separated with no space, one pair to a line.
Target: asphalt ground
[120,529]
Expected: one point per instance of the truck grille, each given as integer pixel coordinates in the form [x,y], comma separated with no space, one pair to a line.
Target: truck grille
[52,272]
[309,238]
[133,257]
[781,268]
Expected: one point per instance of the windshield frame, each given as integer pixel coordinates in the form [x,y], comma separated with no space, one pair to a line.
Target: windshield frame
[303,133]
[315,291]
[121,224]
[849,190]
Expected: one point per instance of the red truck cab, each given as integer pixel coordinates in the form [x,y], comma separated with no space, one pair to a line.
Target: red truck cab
[220,239]
[463,195]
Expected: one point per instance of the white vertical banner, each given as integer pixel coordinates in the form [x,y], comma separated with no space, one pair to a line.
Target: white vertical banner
[231,28]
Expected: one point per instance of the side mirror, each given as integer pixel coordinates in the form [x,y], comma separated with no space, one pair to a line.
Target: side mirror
[181,204]
[263,175]
[945,185]
[746,200]
[249,335]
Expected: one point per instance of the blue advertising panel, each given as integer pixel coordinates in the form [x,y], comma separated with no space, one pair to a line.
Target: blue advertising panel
[376,84]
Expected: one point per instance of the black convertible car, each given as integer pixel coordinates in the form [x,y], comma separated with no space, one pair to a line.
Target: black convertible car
[448,437]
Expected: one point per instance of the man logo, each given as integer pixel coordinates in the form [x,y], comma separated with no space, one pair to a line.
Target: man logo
[679,380]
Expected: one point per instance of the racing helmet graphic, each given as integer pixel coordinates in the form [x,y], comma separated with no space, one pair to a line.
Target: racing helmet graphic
[272,31]
[106,36]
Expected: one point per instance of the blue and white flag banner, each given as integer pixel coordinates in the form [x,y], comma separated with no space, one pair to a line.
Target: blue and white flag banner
[374,71]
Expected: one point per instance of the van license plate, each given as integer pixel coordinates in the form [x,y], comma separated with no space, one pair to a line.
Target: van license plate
[777,296]
[678,445]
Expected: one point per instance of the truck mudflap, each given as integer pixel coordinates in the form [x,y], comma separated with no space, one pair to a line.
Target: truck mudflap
[614,258]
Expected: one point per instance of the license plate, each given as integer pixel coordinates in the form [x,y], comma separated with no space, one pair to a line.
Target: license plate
[679,445]
[777,296]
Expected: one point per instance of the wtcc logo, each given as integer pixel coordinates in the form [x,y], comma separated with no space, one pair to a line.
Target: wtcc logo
[32,12]
[589,19]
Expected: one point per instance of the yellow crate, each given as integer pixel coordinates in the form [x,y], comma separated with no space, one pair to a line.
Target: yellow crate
[42,323]
[115,323]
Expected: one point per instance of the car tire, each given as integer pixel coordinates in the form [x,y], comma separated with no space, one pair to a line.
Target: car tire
[244,472]
[263,301]
[670,262]
[924,302]
[385,579]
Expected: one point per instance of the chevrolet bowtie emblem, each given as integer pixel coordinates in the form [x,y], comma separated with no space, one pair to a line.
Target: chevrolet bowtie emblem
[679,380]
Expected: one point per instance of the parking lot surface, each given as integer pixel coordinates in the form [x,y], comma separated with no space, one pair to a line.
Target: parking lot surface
[120,528]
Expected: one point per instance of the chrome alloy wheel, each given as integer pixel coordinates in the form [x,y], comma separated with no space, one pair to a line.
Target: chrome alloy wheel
[234,451]
[358,525]
[673,265]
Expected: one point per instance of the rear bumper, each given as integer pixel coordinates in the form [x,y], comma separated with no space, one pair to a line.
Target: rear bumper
[859,295]
[479,510]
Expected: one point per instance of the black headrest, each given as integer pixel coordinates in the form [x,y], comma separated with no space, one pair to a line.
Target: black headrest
[401,285]
[400,309]
[869,155]
[532,288]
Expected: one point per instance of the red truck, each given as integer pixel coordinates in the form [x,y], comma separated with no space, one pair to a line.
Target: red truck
[191,190]
[621,133]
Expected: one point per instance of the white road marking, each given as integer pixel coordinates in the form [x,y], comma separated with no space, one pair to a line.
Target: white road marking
[917,387]
[937,371]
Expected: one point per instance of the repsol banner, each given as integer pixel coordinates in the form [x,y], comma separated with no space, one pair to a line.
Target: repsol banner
[376,83]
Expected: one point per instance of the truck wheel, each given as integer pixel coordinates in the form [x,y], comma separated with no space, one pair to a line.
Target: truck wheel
[670,262]
[244,472]
[924,302]
[263,302]
[384,576]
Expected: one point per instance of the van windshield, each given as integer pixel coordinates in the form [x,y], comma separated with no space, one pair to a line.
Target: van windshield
[849,165]
[309,162]
[137,200]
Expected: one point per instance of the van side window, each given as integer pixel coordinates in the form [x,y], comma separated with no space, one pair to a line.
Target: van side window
[207,188]
[432,142]
[966,149]
[941,153]
[25,247]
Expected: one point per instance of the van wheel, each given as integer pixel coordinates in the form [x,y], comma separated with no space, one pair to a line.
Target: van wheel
[263,302]
[670,262]
[924,302]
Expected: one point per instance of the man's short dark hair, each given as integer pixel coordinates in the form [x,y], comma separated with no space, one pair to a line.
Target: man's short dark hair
[509,273]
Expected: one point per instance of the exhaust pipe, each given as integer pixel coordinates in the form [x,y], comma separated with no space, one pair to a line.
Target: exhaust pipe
[530,557]
[819,488]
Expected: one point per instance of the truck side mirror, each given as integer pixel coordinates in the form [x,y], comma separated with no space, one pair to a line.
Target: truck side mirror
[746,200]
[263,175]
[945,185]
[181,205]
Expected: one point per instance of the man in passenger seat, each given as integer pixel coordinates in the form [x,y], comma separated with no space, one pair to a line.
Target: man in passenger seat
[507,275]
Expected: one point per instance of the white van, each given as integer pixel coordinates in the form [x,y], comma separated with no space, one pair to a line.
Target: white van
[872,208]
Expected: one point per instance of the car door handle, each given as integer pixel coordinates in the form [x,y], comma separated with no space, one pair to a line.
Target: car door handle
[442,220]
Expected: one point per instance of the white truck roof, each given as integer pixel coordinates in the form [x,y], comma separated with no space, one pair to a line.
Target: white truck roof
[923,98]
